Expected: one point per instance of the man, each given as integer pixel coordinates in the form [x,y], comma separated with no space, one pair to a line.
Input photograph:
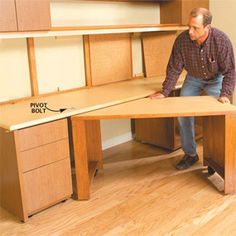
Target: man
[206,53]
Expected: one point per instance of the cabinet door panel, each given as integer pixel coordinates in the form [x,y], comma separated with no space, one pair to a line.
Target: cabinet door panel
[177,12]
[33,15]
[187,6]
[7,16]
[47,185]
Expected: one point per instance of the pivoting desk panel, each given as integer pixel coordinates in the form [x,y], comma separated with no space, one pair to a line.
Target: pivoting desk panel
[156,108]
[18,115]
[219,133]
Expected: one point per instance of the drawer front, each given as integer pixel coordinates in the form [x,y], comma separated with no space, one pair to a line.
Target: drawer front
[47,185]
[42,134]
[44,155]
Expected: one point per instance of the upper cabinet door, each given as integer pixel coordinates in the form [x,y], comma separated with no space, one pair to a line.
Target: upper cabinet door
[177,11]
[7,16]
[187,6]
[33,15]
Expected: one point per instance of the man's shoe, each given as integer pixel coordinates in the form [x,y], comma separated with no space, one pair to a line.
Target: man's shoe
[187,161]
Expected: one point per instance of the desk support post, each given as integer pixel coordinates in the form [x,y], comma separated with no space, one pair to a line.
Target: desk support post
[87,154]
[219,150]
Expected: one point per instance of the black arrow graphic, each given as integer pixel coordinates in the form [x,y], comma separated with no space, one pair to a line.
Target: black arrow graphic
[60,110]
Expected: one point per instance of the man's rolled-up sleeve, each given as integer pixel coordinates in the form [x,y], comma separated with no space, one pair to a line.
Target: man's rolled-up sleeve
[173,70]
[227,68]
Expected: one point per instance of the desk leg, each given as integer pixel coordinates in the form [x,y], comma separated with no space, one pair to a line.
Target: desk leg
[87,154]
[219,147]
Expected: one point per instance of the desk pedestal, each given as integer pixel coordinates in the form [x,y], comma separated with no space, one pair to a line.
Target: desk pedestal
[87,154]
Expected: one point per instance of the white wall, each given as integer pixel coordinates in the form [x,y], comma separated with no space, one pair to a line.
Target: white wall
[224,18]
[81,13]
[60,63]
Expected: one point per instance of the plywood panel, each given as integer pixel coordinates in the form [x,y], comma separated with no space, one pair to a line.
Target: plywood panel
[110,58]
[157,49]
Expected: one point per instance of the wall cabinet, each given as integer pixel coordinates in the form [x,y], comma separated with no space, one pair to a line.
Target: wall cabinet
[24,15]
[35,170]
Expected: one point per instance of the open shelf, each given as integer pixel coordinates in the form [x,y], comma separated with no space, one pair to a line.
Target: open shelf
[88,30]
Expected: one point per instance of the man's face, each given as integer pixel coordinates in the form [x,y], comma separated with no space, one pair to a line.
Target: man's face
[197,30]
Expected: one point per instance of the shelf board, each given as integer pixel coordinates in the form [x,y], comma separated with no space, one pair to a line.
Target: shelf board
[72,31]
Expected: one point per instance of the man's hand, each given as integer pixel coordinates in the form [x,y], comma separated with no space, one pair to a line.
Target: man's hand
[156,96]
[223,100]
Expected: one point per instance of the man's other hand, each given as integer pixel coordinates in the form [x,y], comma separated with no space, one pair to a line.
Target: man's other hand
[156,96]
[223,100]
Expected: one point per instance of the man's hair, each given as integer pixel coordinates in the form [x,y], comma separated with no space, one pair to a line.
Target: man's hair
[207,16]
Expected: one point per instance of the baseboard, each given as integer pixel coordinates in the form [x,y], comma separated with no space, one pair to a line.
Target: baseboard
[116,140]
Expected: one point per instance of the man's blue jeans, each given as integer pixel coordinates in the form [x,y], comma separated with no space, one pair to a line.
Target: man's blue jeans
[193,87]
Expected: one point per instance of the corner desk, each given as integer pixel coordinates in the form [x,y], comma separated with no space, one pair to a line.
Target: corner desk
[34,148]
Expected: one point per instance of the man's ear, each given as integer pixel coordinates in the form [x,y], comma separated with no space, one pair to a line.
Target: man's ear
[208,26]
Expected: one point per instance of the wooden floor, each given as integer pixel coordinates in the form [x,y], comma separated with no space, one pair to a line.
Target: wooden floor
[139,192]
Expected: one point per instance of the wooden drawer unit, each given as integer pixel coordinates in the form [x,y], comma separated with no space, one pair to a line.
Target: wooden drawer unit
[35,168]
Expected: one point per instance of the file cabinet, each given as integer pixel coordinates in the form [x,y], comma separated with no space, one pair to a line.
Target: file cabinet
[35,168]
